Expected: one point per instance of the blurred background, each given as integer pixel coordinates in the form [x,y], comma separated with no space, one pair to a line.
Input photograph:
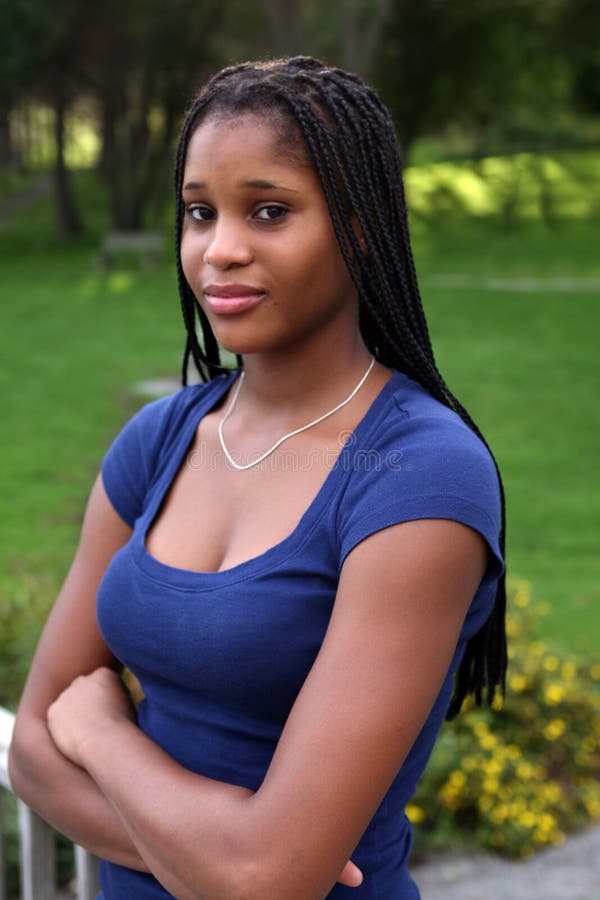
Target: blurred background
[497,107]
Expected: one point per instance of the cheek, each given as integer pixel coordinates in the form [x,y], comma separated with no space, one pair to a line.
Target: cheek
[325,266]
[190,253]
[316,257]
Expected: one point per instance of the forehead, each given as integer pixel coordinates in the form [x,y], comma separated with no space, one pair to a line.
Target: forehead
[243,142]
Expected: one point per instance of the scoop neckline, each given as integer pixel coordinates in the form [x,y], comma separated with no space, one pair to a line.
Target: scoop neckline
[273,556]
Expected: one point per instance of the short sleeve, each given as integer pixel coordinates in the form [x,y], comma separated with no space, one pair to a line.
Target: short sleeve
[131,459]
[426,466]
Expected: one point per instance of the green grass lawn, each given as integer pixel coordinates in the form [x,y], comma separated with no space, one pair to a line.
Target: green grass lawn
[526,366]
[74,340]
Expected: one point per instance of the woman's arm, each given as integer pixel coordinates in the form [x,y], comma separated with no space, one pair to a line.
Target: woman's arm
[402,599]
[71,644]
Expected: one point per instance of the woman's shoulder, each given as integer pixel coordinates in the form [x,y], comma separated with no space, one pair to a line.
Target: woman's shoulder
[160,417]
[428,434]
[140,448]
[418,460]
[186,397]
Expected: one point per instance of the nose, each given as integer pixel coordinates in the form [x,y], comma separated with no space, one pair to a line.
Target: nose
[228,245]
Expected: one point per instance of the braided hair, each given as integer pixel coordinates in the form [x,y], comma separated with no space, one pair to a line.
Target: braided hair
[351,142]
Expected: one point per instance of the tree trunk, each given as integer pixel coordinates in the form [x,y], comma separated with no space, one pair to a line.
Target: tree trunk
[6,148]
[67,218]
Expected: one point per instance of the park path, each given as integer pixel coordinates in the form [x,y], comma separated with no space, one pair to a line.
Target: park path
[26,197]
[568,872]
[560,284]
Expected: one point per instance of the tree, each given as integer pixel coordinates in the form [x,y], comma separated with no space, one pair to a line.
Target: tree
[477,63]
[578,34]
[144,58]
[39,63]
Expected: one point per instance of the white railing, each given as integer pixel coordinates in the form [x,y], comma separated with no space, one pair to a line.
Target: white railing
[36,842]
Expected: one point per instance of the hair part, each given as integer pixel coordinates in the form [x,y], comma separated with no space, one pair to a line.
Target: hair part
[350,139]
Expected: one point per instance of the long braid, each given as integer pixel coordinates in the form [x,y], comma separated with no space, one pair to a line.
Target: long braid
[351,141]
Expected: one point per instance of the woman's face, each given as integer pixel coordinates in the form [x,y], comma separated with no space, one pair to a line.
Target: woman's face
[258,247]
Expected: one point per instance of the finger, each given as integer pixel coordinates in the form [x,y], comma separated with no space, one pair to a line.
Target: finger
[350,875]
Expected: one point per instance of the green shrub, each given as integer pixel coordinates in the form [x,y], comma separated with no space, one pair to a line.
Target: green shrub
[518,777]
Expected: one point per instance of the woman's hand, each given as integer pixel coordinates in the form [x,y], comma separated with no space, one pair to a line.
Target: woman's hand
[91,702]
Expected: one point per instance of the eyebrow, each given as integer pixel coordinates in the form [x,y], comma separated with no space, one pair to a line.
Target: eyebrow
[254,183]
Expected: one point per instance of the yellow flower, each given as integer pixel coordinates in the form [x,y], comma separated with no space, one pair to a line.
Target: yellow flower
[498,702]
[492,767]
[554,729]
[485,803]
[457,778]
[480,728]
[513,629]
[568,670]
[491,785]
[554,693]
[499,815]
[595,671]
[551,663]
[592,805]
[522,594]
[524,771]
[551,792]
[547,822]
[518,683]
[415,813]
[513,752]
[527,819]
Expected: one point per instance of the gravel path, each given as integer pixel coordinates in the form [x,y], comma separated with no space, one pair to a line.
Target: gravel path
[561,284]
[26,197]
[569,872]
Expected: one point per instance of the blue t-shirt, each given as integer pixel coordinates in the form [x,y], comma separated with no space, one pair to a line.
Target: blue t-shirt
[221,656]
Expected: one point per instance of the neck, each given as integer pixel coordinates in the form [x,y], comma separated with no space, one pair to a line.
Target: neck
[295,381]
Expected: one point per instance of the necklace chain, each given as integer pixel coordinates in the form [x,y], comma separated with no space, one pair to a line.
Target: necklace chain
[291,433]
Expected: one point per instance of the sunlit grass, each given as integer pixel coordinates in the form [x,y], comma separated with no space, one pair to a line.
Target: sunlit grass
[525,187]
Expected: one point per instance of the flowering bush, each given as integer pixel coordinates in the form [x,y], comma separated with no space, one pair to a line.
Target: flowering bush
[516,778]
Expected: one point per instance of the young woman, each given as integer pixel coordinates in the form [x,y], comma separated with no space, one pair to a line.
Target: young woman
[300,560]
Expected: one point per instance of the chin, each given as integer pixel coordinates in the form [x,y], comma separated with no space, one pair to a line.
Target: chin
[241,345]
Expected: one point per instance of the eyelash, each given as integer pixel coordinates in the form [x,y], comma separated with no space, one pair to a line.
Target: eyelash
[197,207]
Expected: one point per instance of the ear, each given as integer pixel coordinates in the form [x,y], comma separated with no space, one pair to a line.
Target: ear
[359,235]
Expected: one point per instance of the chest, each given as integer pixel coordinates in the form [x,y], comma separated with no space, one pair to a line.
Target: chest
[214,517]
[243,638]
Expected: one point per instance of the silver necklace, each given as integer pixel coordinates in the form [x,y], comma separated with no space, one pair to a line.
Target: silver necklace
[291,433]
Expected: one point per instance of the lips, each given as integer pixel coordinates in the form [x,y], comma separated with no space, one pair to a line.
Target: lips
[232,298]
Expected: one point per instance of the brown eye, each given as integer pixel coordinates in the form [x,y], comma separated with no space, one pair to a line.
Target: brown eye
[271,213]
[200,213]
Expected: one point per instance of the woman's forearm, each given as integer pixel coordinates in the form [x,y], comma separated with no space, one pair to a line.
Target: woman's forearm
[198,836]
[66,796]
